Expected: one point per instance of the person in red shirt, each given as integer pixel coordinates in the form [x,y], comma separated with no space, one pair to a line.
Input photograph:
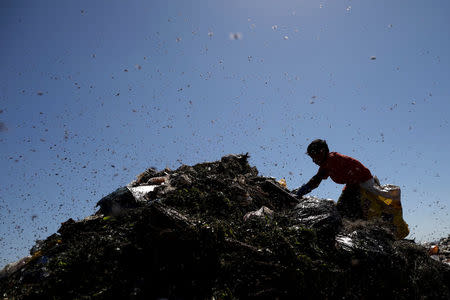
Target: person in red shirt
[343,170]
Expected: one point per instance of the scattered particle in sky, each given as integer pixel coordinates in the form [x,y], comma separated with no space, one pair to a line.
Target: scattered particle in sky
[139,67]
[349,8]
[3,127]
[373,58]
[40,93]
[1,110]
[275,27]
[321,6]
[235,36]
[390,26]
[178,39]
[126,70]
[286,37]
[33,217]
[93,55]
[413,103]
[210,34]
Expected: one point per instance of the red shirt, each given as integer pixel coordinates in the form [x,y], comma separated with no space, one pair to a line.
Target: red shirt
[344,169]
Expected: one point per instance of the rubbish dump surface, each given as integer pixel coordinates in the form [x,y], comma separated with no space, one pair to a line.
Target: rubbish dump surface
[186,237]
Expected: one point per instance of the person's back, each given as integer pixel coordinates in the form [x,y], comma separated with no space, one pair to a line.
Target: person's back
[344,169]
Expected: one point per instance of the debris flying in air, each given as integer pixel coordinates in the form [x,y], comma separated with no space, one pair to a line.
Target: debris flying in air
[235,36]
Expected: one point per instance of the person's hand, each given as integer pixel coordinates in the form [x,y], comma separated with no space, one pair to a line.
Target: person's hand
[303,190]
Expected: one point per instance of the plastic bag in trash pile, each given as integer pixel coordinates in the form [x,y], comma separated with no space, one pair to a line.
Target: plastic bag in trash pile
[384,202]
[282,182]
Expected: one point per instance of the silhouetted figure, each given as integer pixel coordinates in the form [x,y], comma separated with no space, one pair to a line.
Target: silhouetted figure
[343,170]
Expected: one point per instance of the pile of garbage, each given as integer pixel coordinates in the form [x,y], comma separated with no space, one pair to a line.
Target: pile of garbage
[440,250]
[217,230]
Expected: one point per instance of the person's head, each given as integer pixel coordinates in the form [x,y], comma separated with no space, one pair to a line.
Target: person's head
[318,151]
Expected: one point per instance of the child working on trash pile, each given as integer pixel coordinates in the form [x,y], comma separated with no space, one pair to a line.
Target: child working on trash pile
[343,170]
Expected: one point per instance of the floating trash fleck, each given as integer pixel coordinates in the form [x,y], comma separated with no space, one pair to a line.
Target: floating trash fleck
[235,36]
[3,127]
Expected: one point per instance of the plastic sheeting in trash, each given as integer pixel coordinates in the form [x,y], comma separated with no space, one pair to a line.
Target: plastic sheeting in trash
[124,198]
[320,214]
[260,213]
[363,242]
[139,192]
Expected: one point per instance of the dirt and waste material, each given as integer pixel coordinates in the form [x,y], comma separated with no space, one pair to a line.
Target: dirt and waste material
[439,250]
[217,230]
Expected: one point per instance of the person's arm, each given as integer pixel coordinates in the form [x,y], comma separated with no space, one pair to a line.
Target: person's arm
[313,183]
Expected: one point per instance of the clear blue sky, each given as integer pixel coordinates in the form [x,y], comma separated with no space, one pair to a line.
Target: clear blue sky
[94,92]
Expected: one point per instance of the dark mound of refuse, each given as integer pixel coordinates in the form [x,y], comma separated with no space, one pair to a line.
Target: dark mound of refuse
[219,231]
[439,250]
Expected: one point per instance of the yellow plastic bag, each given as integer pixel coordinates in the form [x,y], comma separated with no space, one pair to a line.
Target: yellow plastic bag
[384,202]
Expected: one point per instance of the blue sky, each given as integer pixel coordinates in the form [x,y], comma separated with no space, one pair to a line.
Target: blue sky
[94,92]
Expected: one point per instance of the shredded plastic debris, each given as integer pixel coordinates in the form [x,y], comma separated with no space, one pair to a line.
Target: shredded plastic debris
[260,213]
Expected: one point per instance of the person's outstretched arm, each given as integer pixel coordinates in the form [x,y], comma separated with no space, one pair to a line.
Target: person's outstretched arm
[313,183]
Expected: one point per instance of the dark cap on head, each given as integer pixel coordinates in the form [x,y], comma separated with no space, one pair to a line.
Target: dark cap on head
[317,145]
